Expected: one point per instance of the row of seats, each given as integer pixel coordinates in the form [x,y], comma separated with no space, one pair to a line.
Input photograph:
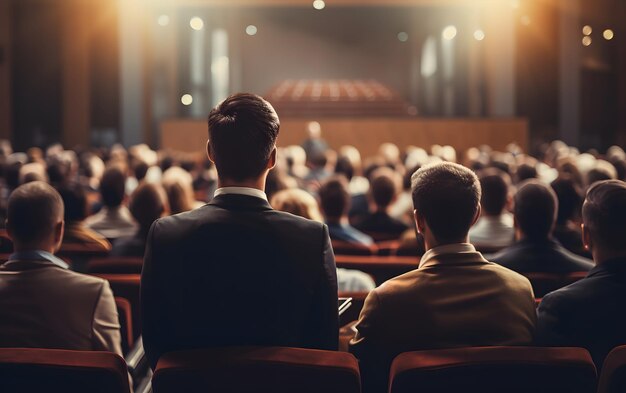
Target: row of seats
[278,370]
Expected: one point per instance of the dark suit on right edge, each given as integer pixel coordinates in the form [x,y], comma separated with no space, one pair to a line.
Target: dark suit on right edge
[589,313]
[236,272]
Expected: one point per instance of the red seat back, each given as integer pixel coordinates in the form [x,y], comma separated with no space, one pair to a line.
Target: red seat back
[124,312]
[115,265]
[27,370]
[613,377]
[494,370]
[257,369]
[379,267]
[347,248]
[127,286]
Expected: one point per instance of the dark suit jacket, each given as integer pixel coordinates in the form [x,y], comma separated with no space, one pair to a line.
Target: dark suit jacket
[544,256]
[451,301]
[381,223]
[589,313]
[236,272]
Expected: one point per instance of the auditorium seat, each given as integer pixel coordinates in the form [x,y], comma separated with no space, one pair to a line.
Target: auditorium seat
[31,370]
[79,254]
[544,283]
[115,265]
[347,248]
[380,267]
[124,312]
[256,369]
[127,287]
[388,247]
[613,376]
[494,370]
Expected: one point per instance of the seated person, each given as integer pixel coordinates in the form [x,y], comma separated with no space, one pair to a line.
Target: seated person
[455,298]
[76,232]
[590,312]
[303,204]
[494,229]
[567,228]
[335,203]
[384,188]
[147,203]
[43,304]
[536,250]
[113,220]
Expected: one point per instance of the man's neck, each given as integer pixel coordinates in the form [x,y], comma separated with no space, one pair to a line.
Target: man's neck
[25,248]
[259,183]
[600,256]
[430,242]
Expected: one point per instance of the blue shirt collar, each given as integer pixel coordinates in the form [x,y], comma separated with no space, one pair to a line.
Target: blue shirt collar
[38,255]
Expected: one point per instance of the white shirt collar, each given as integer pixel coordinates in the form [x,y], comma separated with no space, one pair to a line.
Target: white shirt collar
[455,248]
[253,192]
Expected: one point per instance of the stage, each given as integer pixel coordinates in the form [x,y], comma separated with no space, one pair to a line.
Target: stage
[190,135]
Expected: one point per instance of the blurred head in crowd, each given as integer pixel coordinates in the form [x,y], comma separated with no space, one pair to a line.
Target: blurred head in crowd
[140,169]
[147,203]
[75,202]
[604,215]
[335,198]
[535,210]
[569,197]
[525,171]
[384,187]
[298,202]
[178,185]
[495,191]
[35,217]
[33,171]
[112,187]
[276,181]
[446,198]
[242,139]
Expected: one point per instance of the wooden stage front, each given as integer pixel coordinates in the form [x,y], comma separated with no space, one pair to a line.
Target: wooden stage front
[367,134]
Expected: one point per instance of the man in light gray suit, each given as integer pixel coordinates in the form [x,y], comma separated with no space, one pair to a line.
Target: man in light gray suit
[43,304]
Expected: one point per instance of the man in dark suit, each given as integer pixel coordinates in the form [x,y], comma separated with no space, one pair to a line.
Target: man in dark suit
[590,312]
[455,298]
[236,272]
[536,250]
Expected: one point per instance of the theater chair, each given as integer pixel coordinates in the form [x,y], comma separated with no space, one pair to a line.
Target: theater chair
[381,268]
[613,377]
[124,312]
[27,370]
[347,248]
[127,287]
[115,265]
[494,370]
[257,369]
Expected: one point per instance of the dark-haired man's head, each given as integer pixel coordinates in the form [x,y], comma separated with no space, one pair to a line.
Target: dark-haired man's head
[604,215]
[147,203]
[35,217]
[140,168]
[535,210]
[334,198]
[113,187]
[446,198]
[242,139]
[570,200]
[384,187]
[525,172]
[344,167]
[495,191]
[75,201]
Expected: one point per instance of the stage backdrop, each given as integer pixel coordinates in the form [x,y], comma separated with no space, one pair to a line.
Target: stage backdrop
[368,133]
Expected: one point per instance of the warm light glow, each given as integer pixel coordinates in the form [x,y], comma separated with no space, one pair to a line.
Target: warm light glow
[586,40]
[403,36]
[525,20]
[515,4]
[163,20]
[608,34]
[196,23]
[479,35]
[449,33]
[251,30]
[319,4]
[186,99]
[587,30]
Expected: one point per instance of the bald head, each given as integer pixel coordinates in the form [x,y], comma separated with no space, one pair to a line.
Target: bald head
[35,216]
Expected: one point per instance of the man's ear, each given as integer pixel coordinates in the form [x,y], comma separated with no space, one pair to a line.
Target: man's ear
[59,230]
[208,152]
[271,163]
[419,221]
[586,237]
[477,215]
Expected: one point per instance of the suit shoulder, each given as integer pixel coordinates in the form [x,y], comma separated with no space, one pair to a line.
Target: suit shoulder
[509,275]
[79,281]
